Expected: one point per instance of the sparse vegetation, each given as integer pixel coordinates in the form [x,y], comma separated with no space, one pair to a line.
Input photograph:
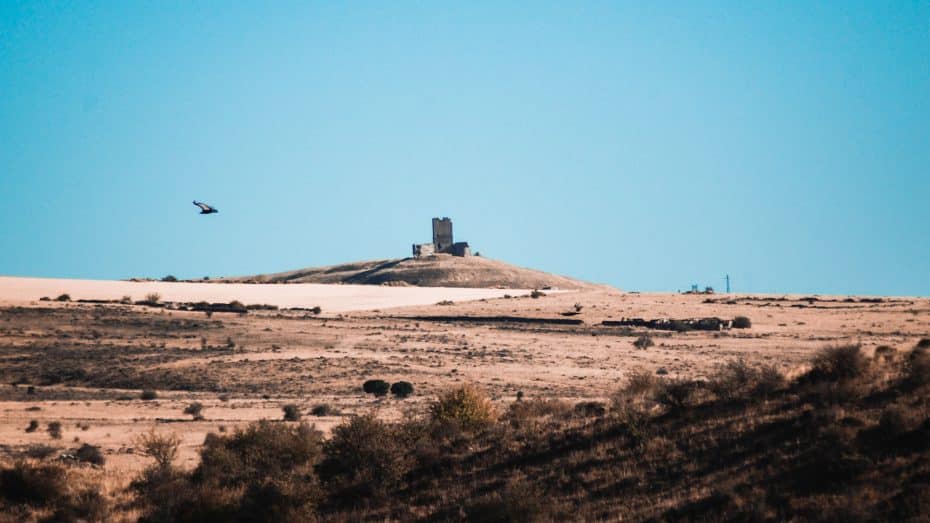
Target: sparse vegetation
[90,454]
[838,363]
[54,429]
[152,298]
[163,448]
[537,294]
[63,297]
[324,409]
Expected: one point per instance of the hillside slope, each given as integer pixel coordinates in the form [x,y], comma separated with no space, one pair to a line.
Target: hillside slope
[440,270]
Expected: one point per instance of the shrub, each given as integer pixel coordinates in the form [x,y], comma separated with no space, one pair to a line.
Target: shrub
[126,300]
[39,451]
[917,367]
[54,429]
[590,409]
[363,455]
[402,389]
[148,395]
[169,278]
[537,294]
[195,409]
[924,343]
[376,387]
[90,454]
[466,407]
[643,342]
[163,448]
[30,484]
[676,393]
[324,409]
[839,363]
[152,297]
[741,322]
[33,426]
[63,297]
[316,310]
[733,381]
[538,408]
[769,380]
[261,451]
[291,412]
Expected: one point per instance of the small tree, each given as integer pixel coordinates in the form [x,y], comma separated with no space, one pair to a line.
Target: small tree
[163,448]
[402,389]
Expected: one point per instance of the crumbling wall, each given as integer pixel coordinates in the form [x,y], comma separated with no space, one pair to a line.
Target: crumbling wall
[459,249]
[423,249]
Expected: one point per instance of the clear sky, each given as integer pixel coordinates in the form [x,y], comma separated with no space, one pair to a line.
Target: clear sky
[649,145]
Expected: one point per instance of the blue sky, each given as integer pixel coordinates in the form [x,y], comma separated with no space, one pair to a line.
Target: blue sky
[649,145]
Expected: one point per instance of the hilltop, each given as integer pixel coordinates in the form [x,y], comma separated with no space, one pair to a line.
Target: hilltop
[437,270]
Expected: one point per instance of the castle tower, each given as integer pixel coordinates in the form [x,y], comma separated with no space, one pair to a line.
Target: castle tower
[442,234]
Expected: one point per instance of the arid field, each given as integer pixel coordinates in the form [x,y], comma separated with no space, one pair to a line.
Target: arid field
[86,364]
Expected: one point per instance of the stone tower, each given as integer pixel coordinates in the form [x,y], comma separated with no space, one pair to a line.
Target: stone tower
[442,234]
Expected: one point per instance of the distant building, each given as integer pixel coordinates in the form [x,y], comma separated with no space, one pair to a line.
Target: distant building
[443,241]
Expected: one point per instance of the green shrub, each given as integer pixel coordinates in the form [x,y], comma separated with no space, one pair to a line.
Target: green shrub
[466,407]
[402,389]
[376,387]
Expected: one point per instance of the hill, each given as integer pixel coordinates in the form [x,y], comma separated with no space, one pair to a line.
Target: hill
[439,270]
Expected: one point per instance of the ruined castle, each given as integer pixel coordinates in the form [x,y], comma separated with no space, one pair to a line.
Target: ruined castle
[442,241]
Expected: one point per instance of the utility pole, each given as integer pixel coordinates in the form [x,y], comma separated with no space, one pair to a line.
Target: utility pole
[728,283]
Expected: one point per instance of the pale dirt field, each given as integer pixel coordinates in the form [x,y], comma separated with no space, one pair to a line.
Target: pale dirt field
[88,362]
[332,298]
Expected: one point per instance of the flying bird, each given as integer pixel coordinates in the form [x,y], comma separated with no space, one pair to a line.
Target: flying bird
[204,208]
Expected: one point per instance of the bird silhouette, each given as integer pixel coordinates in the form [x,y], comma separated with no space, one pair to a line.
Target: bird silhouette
[204,208]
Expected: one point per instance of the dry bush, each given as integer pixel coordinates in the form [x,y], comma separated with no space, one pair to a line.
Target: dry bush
[163,448]
[63,297]
[839,363]
[90,454]
[538,408]
[741,322]
[324,409]
[917,367]
[363,457]
[33,484]
[519,501]
[148,395]
[260,451]
[769,380]
[734,381]
[33,426]
[152,297]
[39,451]
[466,407]
[537,294]
[291,412]
[677,393]
[195,410]
[643,342]
[54,429]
